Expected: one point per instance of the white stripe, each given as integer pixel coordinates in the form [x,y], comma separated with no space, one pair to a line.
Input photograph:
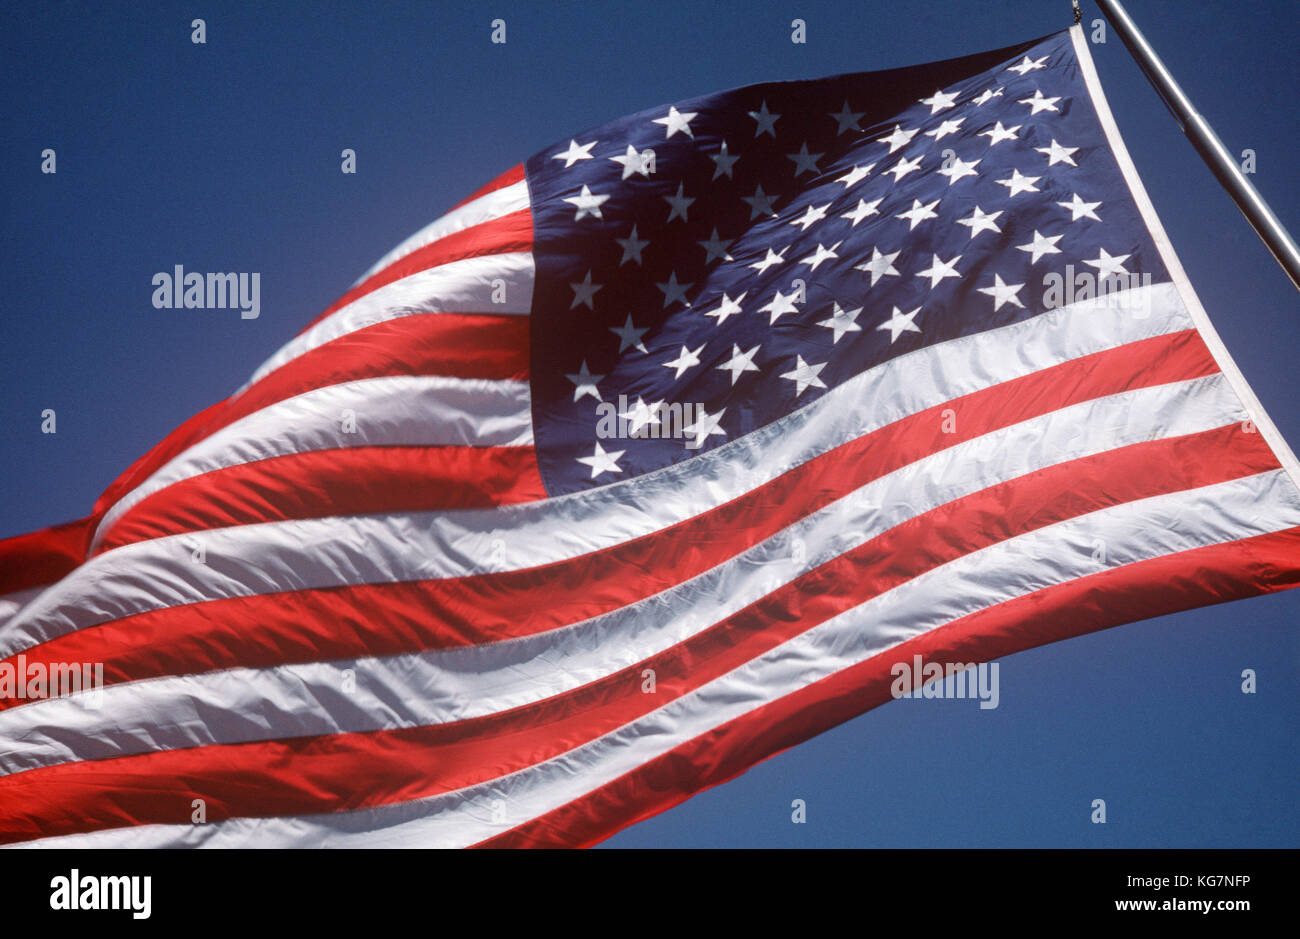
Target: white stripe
[399,410]
[298,554]
[1131,532]
[1175,267]
[11,603]
[485,208]
[465,286]
[457,684]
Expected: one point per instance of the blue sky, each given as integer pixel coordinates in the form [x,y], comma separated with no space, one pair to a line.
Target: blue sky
[226,157]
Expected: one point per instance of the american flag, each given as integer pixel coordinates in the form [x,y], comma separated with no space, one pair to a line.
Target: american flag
[649,460]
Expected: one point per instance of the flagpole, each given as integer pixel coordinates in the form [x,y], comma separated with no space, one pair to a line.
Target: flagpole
[1207,143]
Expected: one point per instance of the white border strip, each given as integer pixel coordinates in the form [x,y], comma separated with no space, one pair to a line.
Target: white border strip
[1193,303]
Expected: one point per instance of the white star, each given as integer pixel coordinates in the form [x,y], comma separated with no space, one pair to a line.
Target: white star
[704,426]
[986,96]
[727,307]
[938,270]
[1042,244]
[821,254]
[1039,103]
[1002,293]
[632,247]
[1028,66]
[846,119]
[940,101]
[679,204]
[946,128]
[740,362]
[980,220]
[584,292]
[855,175]
[1080,209]
[575,153]
[766,121]
[1106,264]
[633,162]
[676,121]
[1058,154]
[863,210]
[759,203]
[723,161]
[1018,183]
[629,335]
[919,213]
[903,167]
[642,415]
[585,383]
[999,133]
[586,203]
[810,216]
[803,375]
[601,462]
[899,138]
[804,161]
[715,247]
[958,169]
[674,292]
[773,257]
[900,323]
[685,359]
[880,265]
[842,321]
[779,306]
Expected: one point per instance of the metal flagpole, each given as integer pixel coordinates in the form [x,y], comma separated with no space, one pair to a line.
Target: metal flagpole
[1206,142]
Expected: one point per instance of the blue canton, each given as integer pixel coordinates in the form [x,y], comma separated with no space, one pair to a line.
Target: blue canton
[742,253]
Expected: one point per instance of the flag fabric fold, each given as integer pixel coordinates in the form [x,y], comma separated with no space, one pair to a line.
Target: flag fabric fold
[652,458]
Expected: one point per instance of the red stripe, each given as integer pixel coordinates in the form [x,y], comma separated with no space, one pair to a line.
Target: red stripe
[452,345]
[41,557]
[1199,577]
[391,618]
[320,483]
[510,233]
[447,344]
[316,774]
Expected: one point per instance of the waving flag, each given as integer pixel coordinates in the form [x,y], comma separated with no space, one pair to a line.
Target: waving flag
[649,460]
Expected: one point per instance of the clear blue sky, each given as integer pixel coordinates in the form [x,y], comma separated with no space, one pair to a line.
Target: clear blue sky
[226,157]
